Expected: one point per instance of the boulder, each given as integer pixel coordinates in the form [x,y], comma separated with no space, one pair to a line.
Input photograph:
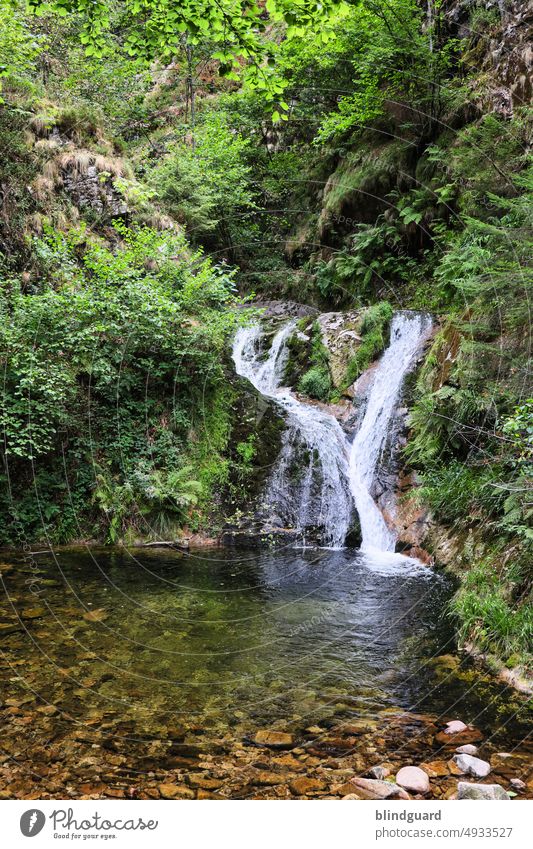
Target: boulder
[304,786]
[340,335]
[175,791]
[517,784]
[274,739]
[455,738]
[372,788]
[467,749]
[472,766]
[413,778]
[455,727]
[490,792]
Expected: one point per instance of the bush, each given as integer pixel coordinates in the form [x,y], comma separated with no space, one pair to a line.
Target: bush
[489,619]
[316,383]
[132,338]
[373,329]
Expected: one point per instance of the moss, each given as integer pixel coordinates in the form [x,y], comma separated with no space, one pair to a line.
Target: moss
[316,381]
[298,347]
[356,191]
[375,323]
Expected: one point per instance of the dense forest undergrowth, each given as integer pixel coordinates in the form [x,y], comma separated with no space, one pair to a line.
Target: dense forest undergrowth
[346,156]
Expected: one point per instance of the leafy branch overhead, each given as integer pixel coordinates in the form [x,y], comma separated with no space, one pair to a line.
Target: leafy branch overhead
[155,28]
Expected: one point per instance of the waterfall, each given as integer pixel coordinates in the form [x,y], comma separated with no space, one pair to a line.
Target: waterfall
[318,477]
[407,335]
[309,485]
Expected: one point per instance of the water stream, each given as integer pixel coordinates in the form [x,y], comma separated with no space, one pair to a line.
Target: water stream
[309,484]
[320,479]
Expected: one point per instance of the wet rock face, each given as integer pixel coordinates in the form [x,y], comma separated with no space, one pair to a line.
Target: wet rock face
[340,335]
[91,189]
[510,58]
[284,309]
[504,51]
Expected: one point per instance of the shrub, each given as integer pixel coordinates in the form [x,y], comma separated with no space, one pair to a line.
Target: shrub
[316,383]
[373,328]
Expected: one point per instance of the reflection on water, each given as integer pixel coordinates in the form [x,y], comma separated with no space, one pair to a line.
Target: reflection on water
[232,639]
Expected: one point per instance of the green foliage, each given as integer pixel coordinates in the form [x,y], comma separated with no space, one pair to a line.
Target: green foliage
[494,622]
[157,29]
[19,46]
[519,427]
[132,340]
[164,497]
[397,57]
[375,323]
[316,381]
[206,185]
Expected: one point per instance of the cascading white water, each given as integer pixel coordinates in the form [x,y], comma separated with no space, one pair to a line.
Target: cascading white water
[309,484]
[318,477]
[407,335]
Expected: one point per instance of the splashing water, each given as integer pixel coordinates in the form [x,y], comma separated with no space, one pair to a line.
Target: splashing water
[309,486]
[407,335]
[318,478]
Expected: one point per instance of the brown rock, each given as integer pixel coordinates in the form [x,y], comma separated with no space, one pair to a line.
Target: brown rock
[470,735]
[303,786]
[290,762]
[48,710]
[435,768]
[343,789]
[206,794]
[274,739]
[175,791]
[372,788]
[204,782]
[98,615]
[508,764]
[454,769]
[267,778]
[115,792]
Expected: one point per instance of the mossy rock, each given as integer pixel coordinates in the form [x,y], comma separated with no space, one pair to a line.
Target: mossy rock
[257,422]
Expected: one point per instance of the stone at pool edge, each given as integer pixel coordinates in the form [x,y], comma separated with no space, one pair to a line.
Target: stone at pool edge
[456,726]
[413,778]
[274,739]
[372,788]
[469,735]
[467,749]
[490,792]
[472,766]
